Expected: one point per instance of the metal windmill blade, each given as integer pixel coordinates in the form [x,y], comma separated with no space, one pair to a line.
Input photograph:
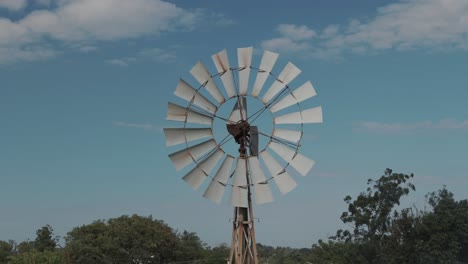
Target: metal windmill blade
[263,158]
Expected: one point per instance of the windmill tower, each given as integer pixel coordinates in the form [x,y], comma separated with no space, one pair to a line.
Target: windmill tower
[243,172]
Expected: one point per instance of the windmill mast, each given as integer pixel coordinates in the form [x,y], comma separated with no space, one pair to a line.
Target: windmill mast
[243,243]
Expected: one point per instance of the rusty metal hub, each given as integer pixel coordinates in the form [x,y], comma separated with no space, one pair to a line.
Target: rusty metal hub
[239,130]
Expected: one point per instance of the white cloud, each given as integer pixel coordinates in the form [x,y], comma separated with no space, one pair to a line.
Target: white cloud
[292,39]
[284,44]
[407,24]
[121,61]
[296,32]
[17,5]
[145,126]
[33,53]
[157,54]
[108,19]
[87,48]
[118,62]
[91,21]
[410,128]
[14,5]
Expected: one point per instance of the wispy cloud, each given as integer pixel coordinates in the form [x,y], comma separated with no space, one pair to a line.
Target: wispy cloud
[292,37]
[117,62]
[87,48]
[407,24]
[296,32]
[145,126]
[121,61]
[410,128]
[26,53]
[80,22]
[154,54]
[18,5]
[158,54]
[14,5]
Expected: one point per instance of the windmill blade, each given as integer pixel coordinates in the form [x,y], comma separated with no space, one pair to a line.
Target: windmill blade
[240,173]
[202,75]
[244,58]
[282,179]
[221,62]
[261,189]
[184,157]
[198,174]
[239,184]
[299,162]
[289,73]
[302,93]
[183,114]
[239,197]
[268,61]
[239,111]
[263,193]
[217,186]
[312,115]
[286,134]
[175,136]
[189,94]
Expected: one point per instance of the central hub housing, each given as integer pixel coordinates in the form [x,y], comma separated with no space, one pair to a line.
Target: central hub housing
[239,130]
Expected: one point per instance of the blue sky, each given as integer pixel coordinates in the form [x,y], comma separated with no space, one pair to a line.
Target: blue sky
[84,87]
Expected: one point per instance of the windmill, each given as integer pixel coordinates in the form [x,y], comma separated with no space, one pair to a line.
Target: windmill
[253,166]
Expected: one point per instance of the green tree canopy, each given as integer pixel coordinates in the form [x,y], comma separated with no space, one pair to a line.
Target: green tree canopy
[382,234]
[37,257]
[126,239]
[5,251]
[45,240]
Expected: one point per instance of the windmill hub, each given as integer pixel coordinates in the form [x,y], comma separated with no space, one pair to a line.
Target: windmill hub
[239,130]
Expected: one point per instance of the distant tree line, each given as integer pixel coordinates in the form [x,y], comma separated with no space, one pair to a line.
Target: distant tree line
[381,233]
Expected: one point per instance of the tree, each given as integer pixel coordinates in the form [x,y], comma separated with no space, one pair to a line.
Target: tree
[384,235]
[40,251]
[44,239]
[189,247]
[126,239]
[217,255]
[36,257]
[5,251]
[25,246]
[443,233]
[372,217]
[371,212]
[333,252]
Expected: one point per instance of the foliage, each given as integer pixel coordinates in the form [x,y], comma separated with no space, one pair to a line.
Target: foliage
[126,239]
[282,255]
[371,212]
[189,247]
[381,234]
[443,233]
[25,246]
[37,257]
[44,239]
[216,255]
[5,251]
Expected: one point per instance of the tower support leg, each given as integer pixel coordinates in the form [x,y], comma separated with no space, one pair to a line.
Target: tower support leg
[243,244]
